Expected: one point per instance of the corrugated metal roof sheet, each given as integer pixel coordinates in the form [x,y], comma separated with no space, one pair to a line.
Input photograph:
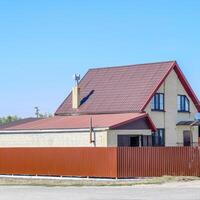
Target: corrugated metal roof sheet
[18,122]
[81,121]
[123,89]
[118,89]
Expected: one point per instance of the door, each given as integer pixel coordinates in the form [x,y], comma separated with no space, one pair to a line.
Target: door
[128,141]
[123,140]
[187,138]
[134,141]
[199,135]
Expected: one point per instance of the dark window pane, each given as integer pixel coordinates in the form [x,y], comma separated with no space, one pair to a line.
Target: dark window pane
[158,138]
[157,102]
[199,131]
[162,137]
[186,104]
[179,102]
[144,140]
[161,102]
[183,103]
[153,103]
[150,140]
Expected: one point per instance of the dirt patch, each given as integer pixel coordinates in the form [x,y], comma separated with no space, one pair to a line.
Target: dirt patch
[37,181]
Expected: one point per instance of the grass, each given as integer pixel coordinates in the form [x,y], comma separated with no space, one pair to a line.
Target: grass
[92,182]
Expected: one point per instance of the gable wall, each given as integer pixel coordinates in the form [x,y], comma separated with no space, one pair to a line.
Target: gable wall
[168,119]
[140,124]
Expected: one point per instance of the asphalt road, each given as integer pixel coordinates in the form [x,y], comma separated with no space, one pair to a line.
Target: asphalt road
[172,191]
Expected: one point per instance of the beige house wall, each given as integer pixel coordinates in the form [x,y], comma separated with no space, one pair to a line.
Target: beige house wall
[180,130]
[66,139]
[168,119]
[107,138]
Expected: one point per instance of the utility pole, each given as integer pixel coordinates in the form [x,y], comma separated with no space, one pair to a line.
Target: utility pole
[37,112]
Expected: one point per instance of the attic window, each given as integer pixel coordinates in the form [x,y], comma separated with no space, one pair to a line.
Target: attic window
[183,103]
[157,103]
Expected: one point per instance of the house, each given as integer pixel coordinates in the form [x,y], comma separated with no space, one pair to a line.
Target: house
[137,105]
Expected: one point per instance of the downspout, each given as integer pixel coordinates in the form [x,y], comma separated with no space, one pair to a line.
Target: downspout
[165,113]
[191,127]
[91,131]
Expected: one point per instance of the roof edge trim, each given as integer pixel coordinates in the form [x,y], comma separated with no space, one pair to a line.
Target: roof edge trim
[187,87]
[158,86]
[33,131]
[145,115]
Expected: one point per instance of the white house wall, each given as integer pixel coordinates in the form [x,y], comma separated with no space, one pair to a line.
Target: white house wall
[168,119]
[72,139]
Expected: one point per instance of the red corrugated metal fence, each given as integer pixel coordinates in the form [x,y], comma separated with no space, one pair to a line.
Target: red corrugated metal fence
[158,161]
[93,162]
[123,162]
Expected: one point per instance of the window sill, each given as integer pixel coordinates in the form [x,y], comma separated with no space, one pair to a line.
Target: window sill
[157,110]
[179,111]
[158,145]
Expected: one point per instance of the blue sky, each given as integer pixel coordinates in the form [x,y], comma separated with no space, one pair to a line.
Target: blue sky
[43,43]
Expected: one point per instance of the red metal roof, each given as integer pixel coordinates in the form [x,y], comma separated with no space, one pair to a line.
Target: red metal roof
[83,121]
[123,89]
[18,122]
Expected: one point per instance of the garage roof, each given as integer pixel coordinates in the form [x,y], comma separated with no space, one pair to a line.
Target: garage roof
[83,121]
[18,122]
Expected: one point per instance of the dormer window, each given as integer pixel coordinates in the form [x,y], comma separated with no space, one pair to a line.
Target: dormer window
[157,103]
[183,103]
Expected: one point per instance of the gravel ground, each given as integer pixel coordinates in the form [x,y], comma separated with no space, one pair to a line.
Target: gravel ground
[169,191]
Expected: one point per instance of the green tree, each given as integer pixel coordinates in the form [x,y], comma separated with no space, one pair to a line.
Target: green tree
[8,119]
[45,115]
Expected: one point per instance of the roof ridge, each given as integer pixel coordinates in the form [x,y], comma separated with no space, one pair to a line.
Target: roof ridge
[101,113]
[131,65]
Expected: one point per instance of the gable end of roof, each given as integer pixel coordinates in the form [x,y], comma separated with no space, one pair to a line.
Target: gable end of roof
[183,81]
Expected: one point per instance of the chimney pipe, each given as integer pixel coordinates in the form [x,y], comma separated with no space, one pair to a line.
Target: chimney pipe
[75,97]
[76,93]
